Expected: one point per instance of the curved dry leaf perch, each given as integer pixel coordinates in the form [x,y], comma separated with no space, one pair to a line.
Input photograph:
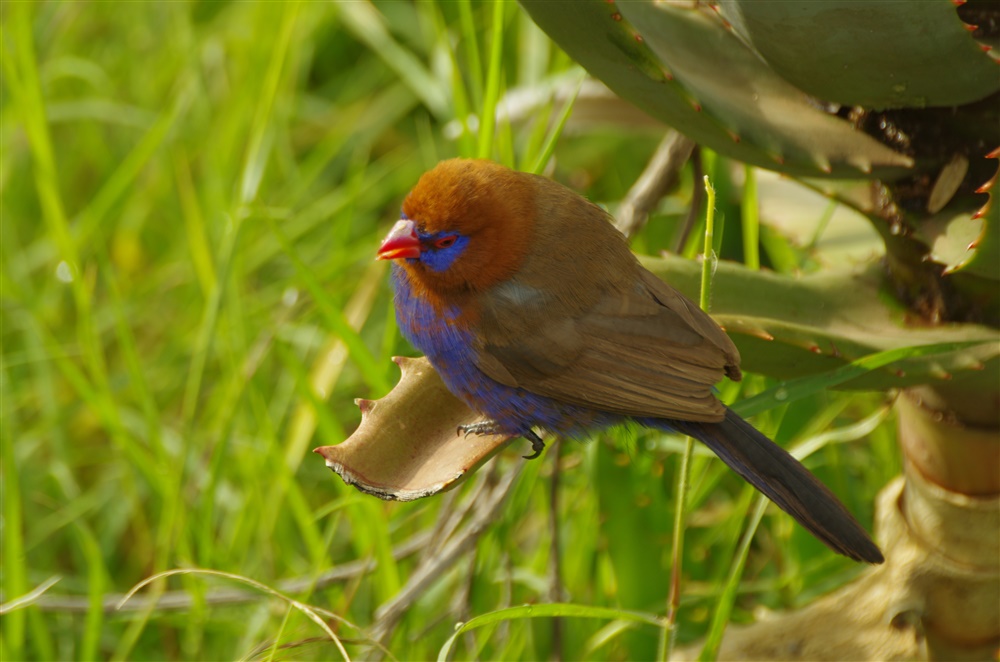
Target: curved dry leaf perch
[408,446]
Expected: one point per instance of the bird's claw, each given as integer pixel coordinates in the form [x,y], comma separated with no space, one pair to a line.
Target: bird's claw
[537,444]
[490,427]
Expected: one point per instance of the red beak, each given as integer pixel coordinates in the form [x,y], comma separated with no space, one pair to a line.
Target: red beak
[401,242]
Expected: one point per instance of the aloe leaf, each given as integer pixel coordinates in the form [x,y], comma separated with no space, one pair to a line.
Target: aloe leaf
[684,67]
[792,327]
[985,248]
[796,389]
[952,240]
[925,54]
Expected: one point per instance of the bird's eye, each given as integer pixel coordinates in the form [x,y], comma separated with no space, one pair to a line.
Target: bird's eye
[445,242]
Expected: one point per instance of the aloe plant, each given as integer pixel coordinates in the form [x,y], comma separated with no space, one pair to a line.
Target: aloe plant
[894,110]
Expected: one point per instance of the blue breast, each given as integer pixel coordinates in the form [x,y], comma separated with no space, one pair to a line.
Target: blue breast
[451,349]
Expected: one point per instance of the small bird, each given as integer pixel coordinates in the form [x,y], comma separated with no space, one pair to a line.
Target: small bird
[533,310]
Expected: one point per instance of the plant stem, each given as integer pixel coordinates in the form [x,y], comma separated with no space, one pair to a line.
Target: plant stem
[677,557]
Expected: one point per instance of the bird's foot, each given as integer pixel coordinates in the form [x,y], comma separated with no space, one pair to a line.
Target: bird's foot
[491,427]
[480,429]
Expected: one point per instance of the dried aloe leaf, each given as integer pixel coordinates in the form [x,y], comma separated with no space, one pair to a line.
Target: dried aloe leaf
[408,445]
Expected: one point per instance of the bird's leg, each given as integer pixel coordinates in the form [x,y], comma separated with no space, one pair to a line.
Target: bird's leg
[491,427]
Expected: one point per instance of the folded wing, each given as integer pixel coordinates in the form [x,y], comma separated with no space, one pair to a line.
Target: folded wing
[644,350]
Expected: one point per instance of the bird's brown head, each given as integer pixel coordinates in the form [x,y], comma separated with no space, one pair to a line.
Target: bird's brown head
[466,226]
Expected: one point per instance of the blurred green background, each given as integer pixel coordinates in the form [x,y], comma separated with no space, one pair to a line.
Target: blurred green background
[192,196]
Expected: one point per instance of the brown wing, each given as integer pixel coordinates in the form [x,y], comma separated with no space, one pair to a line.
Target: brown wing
[645,351]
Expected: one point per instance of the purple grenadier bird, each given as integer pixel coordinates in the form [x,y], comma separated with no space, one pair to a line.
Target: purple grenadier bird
[533,310]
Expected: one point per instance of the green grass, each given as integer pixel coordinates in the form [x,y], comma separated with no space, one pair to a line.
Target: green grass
[192,198]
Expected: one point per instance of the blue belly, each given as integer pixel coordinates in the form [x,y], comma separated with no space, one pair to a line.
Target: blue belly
[451,350]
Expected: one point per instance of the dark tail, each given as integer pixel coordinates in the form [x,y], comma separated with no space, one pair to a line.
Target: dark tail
[768,467]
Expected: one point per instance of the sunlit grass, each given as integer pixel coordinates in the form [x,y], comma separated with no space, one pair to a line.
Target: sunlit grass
[192,197]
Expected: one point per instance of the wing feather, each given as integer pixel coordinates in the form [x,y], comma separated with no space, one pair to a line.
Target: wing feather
[644,351]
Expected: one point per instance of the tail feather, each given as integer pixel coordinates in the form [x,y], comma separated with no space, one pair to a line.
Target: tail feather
[781,478]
